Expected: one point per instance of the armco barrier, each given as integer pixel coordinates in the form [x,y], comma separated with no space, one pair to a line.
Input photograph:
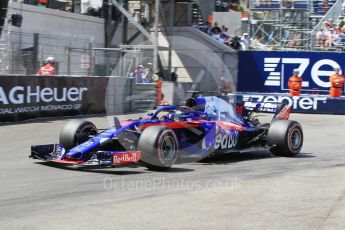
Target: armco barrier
[28,97]
[262,71]
[311,104]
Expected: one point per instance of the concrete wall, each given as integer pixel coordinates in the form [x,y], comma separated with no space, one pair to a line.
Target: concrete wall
[119,91]
[176,93]
[64,35]
[201,58]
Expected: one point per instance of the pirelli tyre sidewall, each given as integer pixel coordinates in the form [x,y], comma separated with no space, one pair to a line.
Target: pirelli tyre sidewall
[285,138]
[159,148]
[76,132]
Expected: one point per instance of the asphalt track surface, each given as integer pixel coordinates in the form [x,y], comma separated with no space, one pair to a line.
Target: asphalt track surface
[242,191]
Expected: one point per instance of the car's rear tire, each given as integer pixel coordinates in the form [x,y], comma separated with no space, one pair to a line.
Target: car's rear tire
[285,137]
[159,148]
[76,132]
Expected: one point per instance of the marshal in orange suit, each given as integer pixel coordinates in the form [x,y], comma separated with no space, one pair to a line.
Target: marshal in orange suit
[337,83]
[295,83]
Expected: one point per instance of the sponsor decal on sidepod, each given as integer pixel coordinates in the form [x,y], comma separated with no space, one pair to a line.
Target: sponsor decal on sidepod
[226,141]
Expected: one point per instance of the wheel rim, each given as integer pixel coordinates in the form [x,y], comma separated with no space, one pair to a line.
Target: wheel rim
[168,148]
[296,138]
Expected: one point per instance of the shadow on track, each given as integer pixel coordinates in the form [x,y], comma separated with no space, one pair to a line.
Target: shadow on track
[245,156]
[112,170]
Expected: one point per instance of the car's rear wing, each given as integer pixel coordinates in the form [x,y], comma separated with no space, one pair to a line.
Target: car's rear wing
[281,110]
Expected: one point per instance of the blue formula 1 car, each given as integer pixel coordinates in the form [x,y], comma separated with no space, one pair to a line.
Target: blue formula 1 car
[206,126]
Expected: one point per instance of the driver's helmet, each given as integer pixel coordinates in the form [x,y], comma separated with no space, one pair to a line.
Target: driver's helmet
[174,115]
[171,116]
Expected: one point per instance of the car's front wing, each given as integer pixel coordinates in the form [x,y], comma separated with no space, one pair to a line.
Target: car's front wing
[54,152]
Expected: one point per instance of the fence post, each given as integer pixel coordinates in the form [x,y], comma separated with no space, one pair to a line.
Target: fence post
[35,52]
[92,59]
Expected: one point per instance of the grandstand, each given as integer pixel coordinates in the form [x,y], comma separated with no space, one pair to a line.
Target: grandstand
[291,25]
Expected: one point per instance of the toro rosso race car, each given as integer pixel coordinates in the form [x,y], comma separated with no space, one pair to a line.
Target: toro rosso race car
[206,126]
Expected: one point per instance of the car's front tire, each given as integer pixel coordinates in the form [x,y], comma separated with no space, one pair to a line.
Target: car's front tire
[159,148]
[76,132]
[285,138]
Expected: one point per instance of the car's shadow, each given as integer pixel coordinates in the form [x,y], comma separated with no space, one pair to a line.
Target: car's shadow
[133,169]
[239,157]
[116,170]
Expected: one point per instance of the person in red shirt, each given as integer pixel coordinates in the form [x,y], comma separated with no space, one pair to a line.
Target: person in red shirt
[47,69]
[337,83]
[295,83]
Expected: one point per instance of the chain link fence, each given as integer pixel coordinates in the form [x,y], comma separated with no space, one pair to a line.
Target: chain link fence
[24,53]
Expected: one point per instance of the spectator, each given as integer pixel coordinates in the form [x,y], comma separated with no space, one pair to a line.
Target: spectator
[191,102]
[330,22]
[147,76]
[48,69]
[340,22]
[206,28]
[138,74]
[328,34]
[224,85]
[321,37]
[325,5]
[235,43]
[195,24]
[337,83]
[173,75]
[226,39]
[223,29]
[225,32]
[295,83]
[221,39]
[162,101]
[342,36]
[216,35]
[225,5]
[155,76]
[143,20]
[218,5]
[215,28]
[245,41]
[336,39]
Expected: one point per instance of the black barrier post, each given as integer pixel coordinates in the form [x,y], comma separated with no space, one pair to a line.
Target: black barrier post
[68,58]
[35,52]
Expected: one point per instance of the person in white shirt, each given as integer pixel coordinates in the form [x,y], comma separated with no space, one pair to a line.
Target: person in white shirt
[245,41]
[321,37]
[216,35]
[328,34]
[221,39]
[336,38]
